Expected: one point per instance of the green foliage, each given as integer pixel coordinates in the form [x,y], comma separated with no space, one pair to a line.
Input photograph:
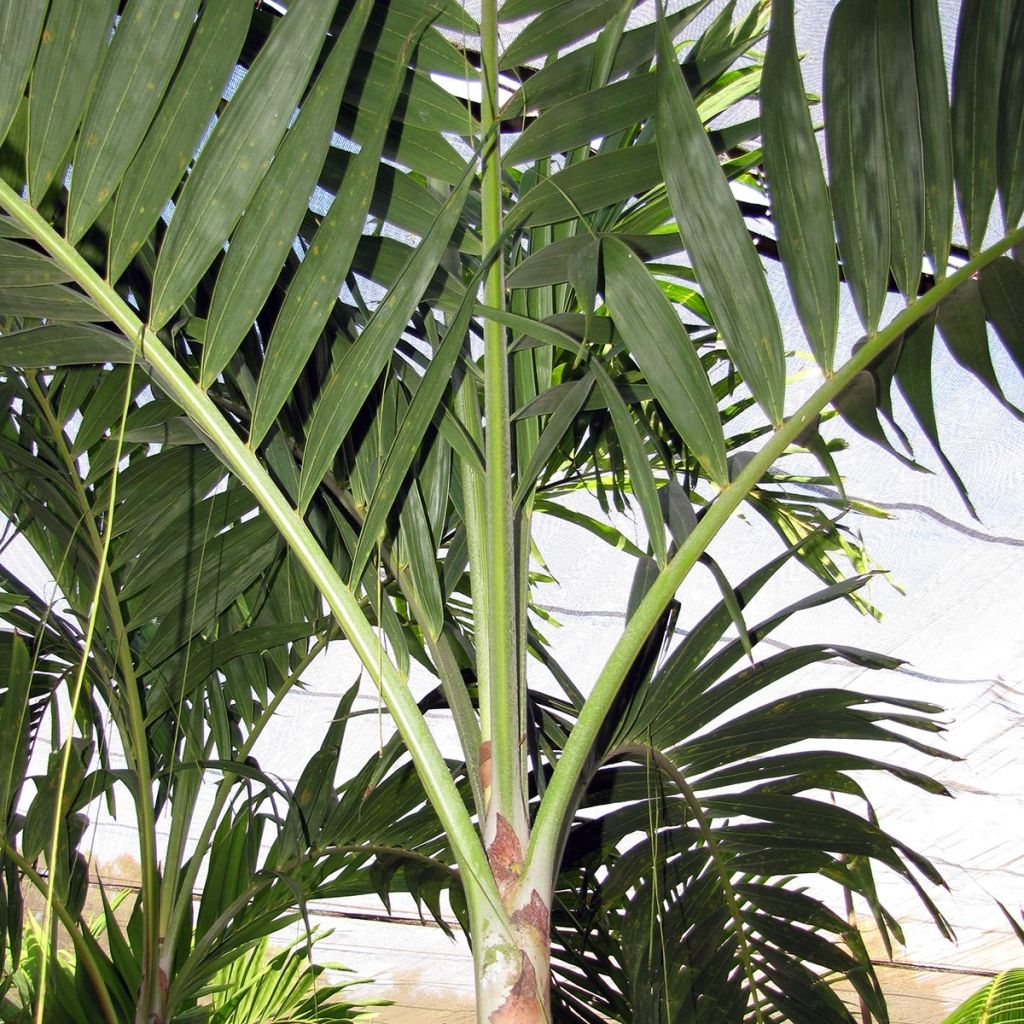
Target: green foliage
[262,986]
[1000,1001]
[245,425]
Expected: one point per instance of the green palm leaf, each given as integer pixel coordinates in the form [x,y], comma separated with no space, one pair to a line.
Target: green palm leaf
[1001,1000]
[135,73]
[855,143]
[802,211]
[175,133]
[936,137]
[977,71]
[71,52]
[659,343]
[20,28]
[347,389]
[903,145]
[315,286]
[236,156]
[716,240]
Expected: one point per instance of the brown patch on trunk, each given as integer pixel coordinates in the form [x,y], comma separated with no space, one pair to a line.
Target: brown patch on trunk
[505,855]
[534,915]
[485,764]
[521,1005]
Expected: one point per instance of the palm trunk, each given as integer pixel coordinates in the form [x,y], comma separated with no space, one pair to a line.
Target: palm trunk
[510,935]
[512,958]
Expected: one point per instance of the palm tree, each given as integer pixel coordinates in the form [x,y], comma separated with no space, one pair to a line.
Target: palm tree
[252,426]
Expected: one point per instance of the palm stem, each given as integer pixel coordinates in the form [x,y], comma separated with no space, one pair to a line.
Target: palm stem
[467,408]
[501,680]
